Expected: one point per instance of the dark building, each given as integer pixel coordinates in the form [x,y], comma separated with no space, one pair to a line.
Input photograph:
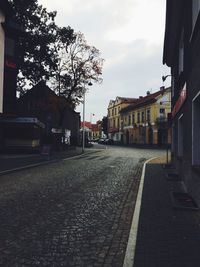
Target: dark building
[11,32]
[52,110]
[182,55]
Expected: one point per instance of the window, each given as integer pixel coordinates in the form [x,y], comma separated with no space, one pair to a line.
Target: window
[162,112]
[133,118]
[129,120]
[148,115]
[196,130]
[195,11]
[142,116]
[138,117]
[173,85]
[181,53]
[180,136]
[125,120]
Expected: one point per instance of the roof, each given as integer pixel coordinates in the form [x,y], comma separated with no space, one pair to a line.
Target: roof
[95,127]
[126,99]
[143,101]
[40,90]
[123,100]
[87,124]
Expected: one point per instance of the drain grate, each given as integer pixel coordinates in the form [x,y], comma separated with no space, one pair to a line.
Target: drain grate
[182,200]
[173,177]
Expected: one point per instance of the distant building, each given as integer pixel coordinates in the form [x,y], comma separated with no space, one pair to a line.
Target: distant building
[97,130]
[181,54]
[114,120]
[87,126]
[146,120]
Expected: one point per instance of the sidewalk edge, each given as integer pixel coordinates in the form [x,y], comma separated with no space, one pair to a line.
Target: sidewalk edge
[28,166]
[45,162]
[131,245]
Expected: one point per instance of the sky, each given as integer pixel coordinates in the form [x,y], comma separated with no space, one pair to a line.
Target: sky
[129,35]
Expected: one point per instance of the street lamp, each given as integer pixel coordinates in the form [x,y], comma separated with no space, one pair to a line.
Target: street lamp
[83,131]
[165,77]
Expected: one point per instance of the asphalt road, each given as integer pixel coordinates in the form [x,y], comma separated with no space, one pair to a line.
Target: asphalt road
[76,212]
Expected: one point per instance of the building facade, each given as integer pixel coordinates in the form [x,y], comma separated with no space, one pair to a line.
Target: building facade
[146,120]
[114,117]
[3,14]
[97,130]
[54,111]
[10,33]
[181,54]
[2,47]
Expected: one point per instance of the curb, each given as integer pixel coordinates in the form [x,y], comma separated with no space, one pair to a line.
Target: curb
[28,166]
[42,163]
[131,245]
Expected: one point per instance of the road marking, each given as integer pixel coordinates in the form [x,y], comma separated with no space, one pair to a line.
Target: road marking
[130,249]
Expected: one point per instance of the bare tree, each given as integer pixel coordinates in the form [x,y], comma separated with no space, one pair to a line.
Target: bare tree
[79,64]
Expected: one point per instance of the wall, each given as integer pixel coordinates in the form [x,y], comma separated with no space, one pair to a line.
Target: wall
[2,46]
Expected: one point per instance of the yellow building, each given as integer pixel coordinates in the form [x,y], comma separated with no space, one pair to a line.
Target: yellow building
[114,117]
[146,120]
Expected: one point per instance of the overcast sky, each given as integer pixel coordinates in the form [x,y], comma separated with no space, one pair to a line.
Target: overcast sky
[130,36]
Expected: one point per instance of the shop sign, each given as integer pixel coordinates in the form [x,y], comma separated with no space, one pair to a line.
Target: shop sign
[180,101]
[56,130]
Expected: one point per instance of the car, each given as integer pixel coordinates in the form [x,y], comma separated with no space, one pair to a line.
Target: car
[101,141]
[95,140]
[106,141]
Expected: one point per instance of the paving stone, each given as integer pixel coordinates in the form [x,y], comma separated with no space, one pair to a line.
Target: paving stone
[74,212]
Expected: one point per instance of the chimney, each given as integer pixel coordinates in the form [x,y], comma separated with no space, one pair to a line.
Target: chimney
[140,97]
[148,92]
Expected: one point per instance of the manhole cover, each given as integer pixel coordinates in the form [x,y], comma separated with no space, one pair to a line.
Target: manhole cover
[182,200]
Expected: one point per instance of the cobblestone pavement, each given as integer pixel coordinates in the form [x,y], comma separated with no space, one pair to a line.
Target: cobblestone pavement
[76,212]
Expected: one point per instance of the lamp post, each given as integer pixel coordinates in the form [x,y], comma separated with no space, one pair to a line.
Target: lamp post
[83,131]
[165,77]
